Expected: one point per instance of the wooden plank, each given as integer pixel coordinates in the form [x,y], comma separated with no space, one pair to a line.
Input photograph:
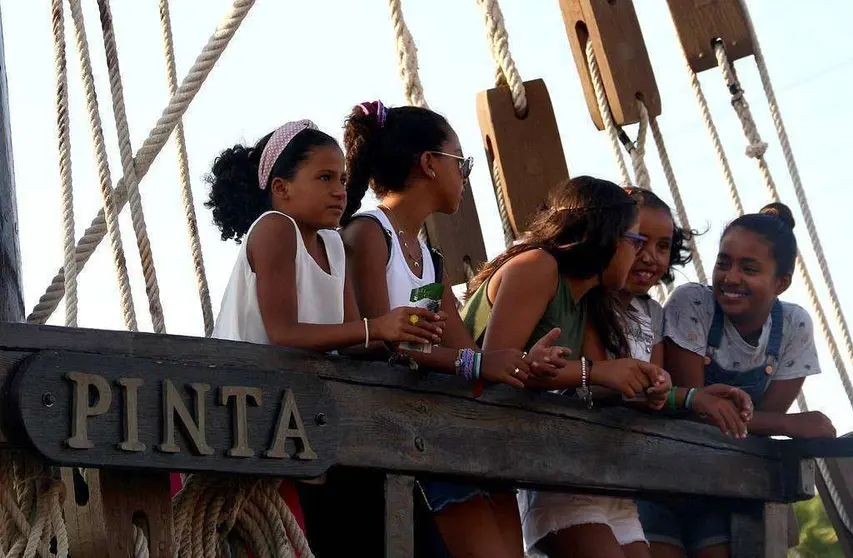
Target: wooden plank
[761,532]
[174,418]
[528,151]
[399,516]
[617,40]
[216,355]
[84,513]
[459,238]
[383,410]
[701,22]
[140,499]
[11,287]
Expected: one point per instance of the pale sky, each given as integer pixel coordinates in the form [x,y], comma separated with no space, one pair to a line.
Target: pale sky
[292,60]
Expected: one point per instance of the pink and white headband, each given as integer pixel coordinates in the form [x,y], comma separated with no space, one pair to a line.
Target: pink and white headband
[276,145]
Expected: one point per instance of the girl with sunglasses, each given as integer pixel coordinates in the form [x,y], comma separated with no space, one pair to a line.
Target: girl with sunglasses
[411,159]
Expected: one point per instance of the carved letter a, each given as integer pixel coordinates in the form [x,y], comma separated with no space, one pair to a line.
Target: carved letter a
[289,415]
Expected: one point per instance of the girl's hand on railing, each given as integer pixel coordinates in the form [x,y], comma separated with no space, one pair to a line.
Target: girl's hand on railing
[545,359]
[657,394]
[505,366]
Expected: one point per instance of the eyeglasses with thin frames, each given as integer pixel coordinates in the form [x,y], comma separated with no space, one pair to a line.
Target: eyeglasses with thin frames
[636,240]
[465,163]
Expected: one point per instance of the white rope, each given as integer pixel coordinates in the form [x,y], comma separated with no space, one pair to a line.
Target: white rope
[110,210]
[604,110]
[497,183]
[63,125]
[140,543]
[637,152]
[143,244]
[407,57]
[186,184]
[148,151]
[506,74]
[757,151]
[674,190]
[29,492]
[799,191]
[217,517]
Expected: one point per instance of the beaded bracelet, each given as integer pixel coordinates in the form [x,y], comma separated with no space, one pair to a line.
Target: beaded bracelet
[465,363]
[585,392]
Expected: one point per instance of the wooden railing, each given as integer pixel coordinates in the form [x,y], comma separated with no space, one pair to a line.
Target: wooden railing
[107,399]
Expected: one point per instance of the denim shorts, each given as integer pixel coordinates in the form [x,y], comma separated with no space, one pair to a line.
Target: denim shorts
[689,525]
[439,494]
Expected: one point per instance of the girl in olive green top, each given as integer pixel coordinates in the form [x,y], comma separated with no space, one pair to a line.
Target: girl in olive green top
[562,274]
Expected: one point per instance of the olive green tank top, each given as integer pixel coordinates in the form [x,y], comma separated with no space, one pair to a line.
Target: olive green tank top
[562,312]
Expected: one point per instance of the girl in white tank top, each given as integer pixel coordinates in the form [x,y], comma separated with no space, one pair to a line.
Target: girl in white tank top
[412,160]
[284,198]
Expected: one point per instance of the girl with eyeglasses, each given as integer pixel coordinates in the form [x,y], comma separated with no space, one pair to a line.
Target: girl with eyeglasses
[411,159]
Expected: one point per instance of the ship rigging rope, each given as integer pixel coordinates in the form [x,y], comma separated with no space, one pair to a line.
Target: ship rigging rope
[63,129]
[146,154]
[506,75]
[183,165]
[28,492]
[106,184]
[407,57]
[143,244]
[756,150]
[637,151]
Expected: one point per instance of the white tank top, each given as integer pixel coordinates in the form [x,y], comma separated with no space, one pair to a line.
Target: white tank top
[319,295]
[398,274]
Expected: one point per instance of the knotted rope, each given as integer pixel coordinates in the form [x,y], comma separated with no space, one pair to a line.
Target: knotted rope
[143,244]
[110,210]
[183,165]
[146,154]
[30,509]
[799,190]
[217,516]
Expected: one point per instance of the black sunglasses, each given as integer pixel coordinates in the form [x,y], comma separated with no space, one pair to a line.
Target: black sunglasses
[465,163]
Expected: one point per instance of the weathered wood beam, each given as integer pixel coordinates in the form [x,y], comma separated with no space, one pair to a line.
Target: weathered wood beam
[375,416]
[11,287]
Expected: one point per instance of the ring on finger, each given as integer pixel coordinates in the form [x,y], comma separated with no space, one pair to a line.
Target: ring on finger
[414,319]
[515,372]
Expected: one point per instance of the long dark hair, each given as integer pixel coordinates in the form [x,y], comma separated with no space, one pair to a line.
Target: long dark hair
[581,225]
[679,250]
[775,223]
[235,195]
[383,144]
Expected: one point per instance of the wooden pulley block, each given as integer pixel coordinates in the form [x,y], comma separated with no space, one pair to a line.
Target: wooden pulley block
[528,150]
[613,29]
[142,497]
[700,23]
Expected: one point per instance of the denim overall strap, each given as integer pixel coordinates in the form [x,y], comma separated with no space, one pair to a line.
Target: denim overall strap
[755,380]
[774,343]
[715,334]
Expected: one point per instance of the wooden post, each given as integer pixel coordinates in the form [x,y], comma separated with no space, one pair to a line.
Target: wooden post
[701,22]
[528,150]
[617,40]
[11,287]
[763,534]
[459,238]
[399,516]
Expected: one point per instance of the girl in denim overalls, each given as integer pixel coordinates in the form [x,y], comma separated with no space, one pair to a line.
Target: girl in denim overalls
[739,333]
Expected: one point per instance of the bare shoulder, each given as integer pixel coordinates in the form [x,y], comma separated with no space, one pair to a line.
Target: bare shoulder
[363,234]
[535,269]
[272,239]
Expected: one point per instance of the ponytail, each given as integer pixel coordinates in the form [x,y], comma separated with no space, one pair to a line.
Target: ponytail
[383,145]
